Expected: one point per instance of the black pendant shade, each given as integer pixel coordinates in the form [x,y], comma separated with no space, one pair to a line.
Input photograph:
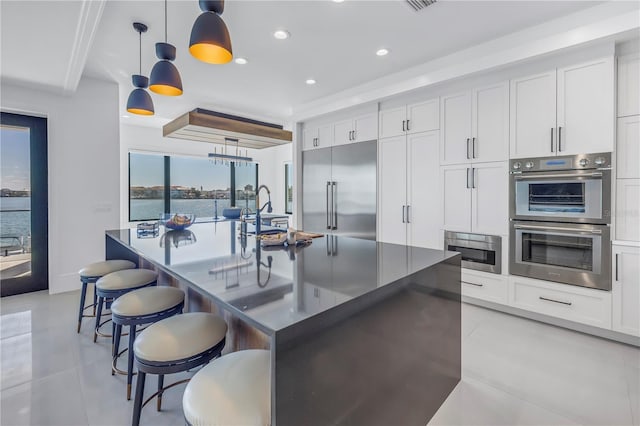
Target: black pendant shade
[210,41]
[139,101]
[165,78]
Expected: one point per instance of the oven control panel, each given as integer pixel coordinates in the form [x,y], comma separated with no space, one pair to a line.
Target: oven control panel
[569,162]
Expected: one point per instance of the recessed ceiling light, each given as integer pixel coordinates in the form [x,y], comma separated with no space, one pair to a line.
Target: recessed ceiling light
[125,116]
[310,81]
[338,1]
[281,34]
[382,52]
[241,61]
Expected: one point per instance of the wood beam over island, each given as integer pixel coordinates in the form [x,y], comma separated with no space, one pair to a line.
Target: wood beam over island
[360,332]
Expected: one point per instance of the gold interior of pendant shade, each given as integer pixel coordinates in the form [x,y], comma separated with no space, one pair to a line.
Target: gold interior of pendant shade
[139,111]
[210,53]
[163,89]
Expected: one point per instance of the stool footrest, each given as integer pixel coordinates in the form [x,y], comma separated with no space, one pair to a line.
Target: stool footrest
[162,390]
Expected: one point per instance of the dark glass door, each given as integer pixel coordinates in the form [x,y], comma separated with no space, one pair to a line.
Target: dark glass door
[23,204]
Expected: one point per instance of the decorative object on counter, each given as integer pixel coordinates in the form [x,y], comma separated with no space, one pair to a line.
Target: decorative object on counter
[231,212]
[210,41]
[178,238]
[148,230]
[140,101]
[165,78]
[177,221]
[273,240]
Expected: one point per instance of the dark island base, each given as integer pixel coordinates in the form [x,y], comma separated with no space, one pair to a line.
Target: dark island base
[393,363]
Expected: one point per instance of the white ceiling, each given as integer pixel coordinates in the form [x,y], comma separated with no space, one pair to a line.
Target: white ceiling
[334,43]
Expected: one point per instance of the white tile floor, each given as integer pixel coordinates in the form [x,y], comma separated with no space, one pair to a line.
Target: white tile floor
[515,372]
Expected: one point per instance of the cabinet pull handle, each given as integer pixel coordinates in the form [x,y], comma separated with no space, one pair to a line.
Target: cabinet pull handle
[473,177]
[334,201]
[552,139]
[477,285]
[408,214]
[473,147]
[403,215]
[617,267]
[468,186]
[559,139]
[328,210]
[408,125]
[403,129]
[555,301]
[468,157]
[354,135]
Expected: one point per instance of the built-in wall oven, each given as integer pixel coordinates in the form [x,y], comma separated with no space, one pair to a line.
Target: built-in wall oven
[560,210]
[480,252]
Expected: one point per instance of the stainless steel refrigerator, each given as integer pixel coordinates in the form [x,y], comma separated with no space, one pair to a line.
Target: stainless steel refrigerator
[339,190]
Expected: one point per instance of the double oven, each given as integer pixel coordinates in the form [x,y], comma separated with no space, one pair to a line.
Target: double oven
[560,210]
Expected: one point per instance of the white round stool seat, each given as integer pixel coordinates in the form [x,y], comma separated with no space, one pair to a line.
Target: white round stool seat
[148,300]
[232,390]
[128,278]
[99,269]
[180,337]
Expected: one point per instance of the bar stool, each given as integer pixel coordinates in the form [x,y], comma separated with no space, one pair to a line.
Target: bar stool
[144,306]
[115,284]
[234,390]
[172,345]
[92,273]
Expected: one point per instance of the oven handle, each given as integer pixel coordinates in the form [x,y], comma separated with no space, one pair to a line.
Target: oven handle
[558,228]
[596,175]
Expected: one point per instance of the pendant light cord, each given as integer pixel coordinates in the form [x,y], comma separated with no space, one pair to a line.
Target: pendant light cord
[165,21]
[140,55]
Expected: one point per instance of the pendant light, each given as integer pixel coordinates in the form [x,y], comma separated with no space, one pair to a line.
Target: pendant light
[210,41]
[140,101]
[165,78]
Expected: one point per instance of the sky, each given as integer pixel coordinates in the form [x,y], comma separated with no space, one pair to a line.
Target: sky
[14,158]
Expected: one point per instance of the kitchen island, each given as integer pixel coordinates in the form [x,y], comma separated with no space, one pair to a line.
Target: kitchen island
[360,332]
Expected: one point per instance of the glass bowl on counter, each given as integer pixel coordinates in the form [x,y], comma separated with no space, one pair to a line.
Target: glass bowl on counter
[177,221]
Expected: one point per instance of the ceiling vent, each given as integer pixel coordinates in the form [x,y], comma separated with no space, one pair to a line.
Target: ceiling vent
[418,5]
[216,127]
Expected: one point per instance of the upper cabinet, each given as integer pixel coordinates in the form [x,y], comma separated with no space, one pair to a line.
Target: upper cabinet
[360,128]
[409,119]
[628,148]
[475,125]
[563,112]
[629,85]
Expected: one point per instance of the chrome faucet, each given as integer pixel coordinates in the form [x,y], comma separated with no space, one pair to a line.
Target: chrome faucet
[259,209]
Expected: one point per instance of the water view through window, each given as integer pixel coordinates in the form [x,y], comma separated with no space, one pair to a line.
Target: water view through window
[15,202]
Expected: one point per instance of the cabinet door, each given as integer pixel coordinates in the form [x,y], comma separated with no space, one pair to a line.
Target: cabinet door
[455,146]
[533,116]
[423,116]
[325,136]
[392,173]
[628,209]
[309,135]
[490,123]
[585,108]
[366,127]
[342,132]
[423,190]
[456,197]
[391,122]
[629,85]
[628,147]
[625,290]
[490,198]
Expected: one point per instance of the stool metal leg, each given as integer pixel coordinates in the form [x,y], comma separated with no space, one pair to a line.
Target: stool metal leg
[95,299]
[160,385]
[83,295]
[116,345]
[137,405]
[132,337]
[98,315]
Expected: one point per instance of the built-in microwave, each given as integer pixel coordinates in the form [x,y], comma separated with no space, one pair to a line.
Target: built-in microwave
[480,252]
[562,189]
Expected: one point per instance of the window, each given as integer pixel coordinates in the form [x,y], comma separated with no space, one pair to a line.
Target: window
[174,184]
[288,188]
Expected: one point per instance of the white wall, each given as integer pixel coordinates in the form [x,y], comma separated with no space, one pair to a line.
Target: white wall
[150,139]
[83,139]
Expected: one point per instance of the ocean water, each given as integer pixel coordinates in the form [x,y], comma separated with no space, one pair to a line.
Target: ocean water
[152,209]
[13,221]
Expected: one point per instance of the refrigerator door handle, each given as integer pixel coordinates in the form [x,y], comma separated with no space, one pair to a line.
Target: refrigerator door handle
[328,208]
[334,201]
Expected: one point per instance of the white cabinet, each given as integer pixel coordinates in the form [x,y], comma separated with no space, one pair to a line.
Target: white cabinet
[578,304]
[358,129]
[475,125]
[485,286]
[316,136]
[625,290]
[628,148]
[629,85]
[408,119]
[409,188]
[564,111]
[627,212]
[475,198]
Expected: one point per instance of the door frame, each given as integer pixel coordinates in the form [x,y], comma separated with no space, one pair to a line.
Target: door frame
[39,278]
